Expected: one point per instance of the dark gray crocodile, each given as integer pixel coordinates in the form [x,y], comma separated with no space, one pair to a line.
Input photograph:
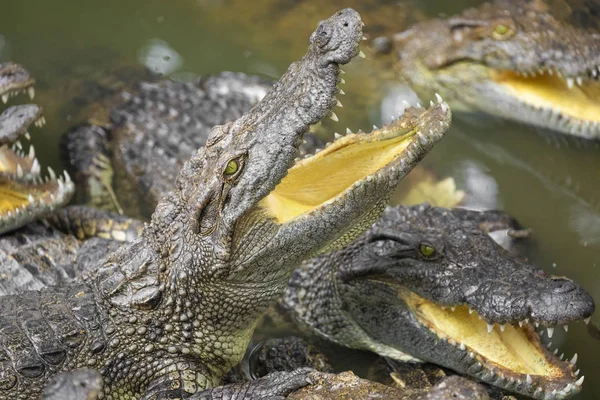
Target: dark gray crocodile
[169,313]
[427,284]
[532,61]
[26,195]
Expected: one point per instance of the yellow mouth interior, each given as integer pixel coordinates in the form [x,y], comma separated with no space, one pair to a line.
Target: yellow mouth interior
[14,194]
[580,102]
[515,349]
[324,176]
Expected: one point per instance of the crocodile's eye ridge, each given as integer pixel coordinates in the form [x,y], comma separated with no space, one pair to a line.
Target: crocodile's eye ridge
[231,168]
[426,250]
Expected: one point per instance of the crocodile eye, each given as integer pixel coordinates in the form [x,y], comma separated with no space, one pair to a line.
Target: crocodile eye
[502,31]
[231,168]
[426,250]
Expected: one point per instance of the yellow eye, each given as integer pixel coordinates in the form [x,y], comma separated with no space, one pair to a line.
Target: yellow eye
[502,31]
[231,168]
[426,250]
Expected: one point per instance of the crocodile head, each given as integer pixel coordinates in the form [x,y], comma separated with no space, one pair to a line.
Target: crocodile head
[25,195]
[425,283]
[244,212]
[517,60]
[15,79]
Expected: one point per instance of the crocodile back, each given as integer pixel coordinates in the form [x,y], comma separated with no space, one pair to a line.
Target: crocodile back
[45,332]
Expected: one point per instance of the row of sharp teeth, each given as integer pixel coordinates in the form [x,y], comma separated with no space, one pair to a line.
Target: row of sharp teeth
[571,81]
[332,115]
[490,327]
[498,379]
[556,117]
[422,138]
[13,93]
[62,181]
[41,121]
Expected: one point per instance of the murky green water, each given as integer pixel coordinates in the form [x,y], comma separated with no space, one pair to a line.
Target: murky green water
[549,182]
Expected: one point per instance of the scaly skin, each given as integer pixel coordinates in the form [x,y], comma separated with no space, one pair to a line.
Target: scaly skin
[169,313]
[130,161]
[528,61]
[25,195]
[384,293]
[39,255]
[15,79]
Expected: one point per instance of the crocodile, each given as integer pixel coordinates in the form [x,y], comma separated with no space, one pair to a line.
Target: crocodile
[169,313]
[530,61]
[26,196]
[427,284]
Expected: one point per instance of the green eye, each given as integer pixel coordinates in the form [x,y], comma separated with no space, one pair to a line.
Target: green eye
[231,168]
[501,29]
[426,250]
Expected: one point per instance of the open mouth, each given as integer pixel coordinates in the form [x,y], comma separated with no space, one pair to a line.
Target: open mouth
[14,80]
[357,159]
[571,101]
[510,356]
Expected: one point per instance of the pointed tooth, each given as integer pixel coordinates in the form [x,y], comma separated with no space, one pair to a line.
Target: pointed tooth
[361,54]
[570,83]
[470,310]
[419,105]
[550,332]
[430,103]
[549,345]
[375,127]
[566,328]
[342,71]
[341,92]
[19,171]
[587,320]
[405,103]
[19,145]
[439,98]
[364,38]
[5,98]
[490,327]
[529,380]
[577,372]
[348,131]
[334,117]
[27,135]
[342,80]
[579,381]
[579,81]
[31,92]
[31,152]
[526,320]
[31,199]
[562,356]
[337,136]
[471,354]
[537,324]
[51,173]
[574,359]
[462,347]
[339,104]
[453,308]
[502,327]
[555,352]
[520,323]
[568,388]
[35,167]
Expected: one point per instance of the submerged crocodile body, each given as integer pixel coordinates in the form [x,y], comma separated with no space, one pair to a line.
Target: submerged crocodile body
[427,284]
[530,61]
[26,196]
[169,313]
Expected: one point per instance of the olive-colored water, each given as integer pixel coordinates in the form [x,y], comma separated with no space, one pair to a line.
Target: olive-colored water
[549,182]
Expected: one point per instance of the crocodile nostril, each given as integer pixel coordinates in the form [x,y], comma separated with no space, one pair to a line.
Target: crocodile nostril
[563,285]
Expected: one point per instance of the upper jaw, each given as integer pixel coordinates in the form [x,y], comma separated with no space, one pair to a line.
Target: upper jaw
[303,96]
[15,79]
